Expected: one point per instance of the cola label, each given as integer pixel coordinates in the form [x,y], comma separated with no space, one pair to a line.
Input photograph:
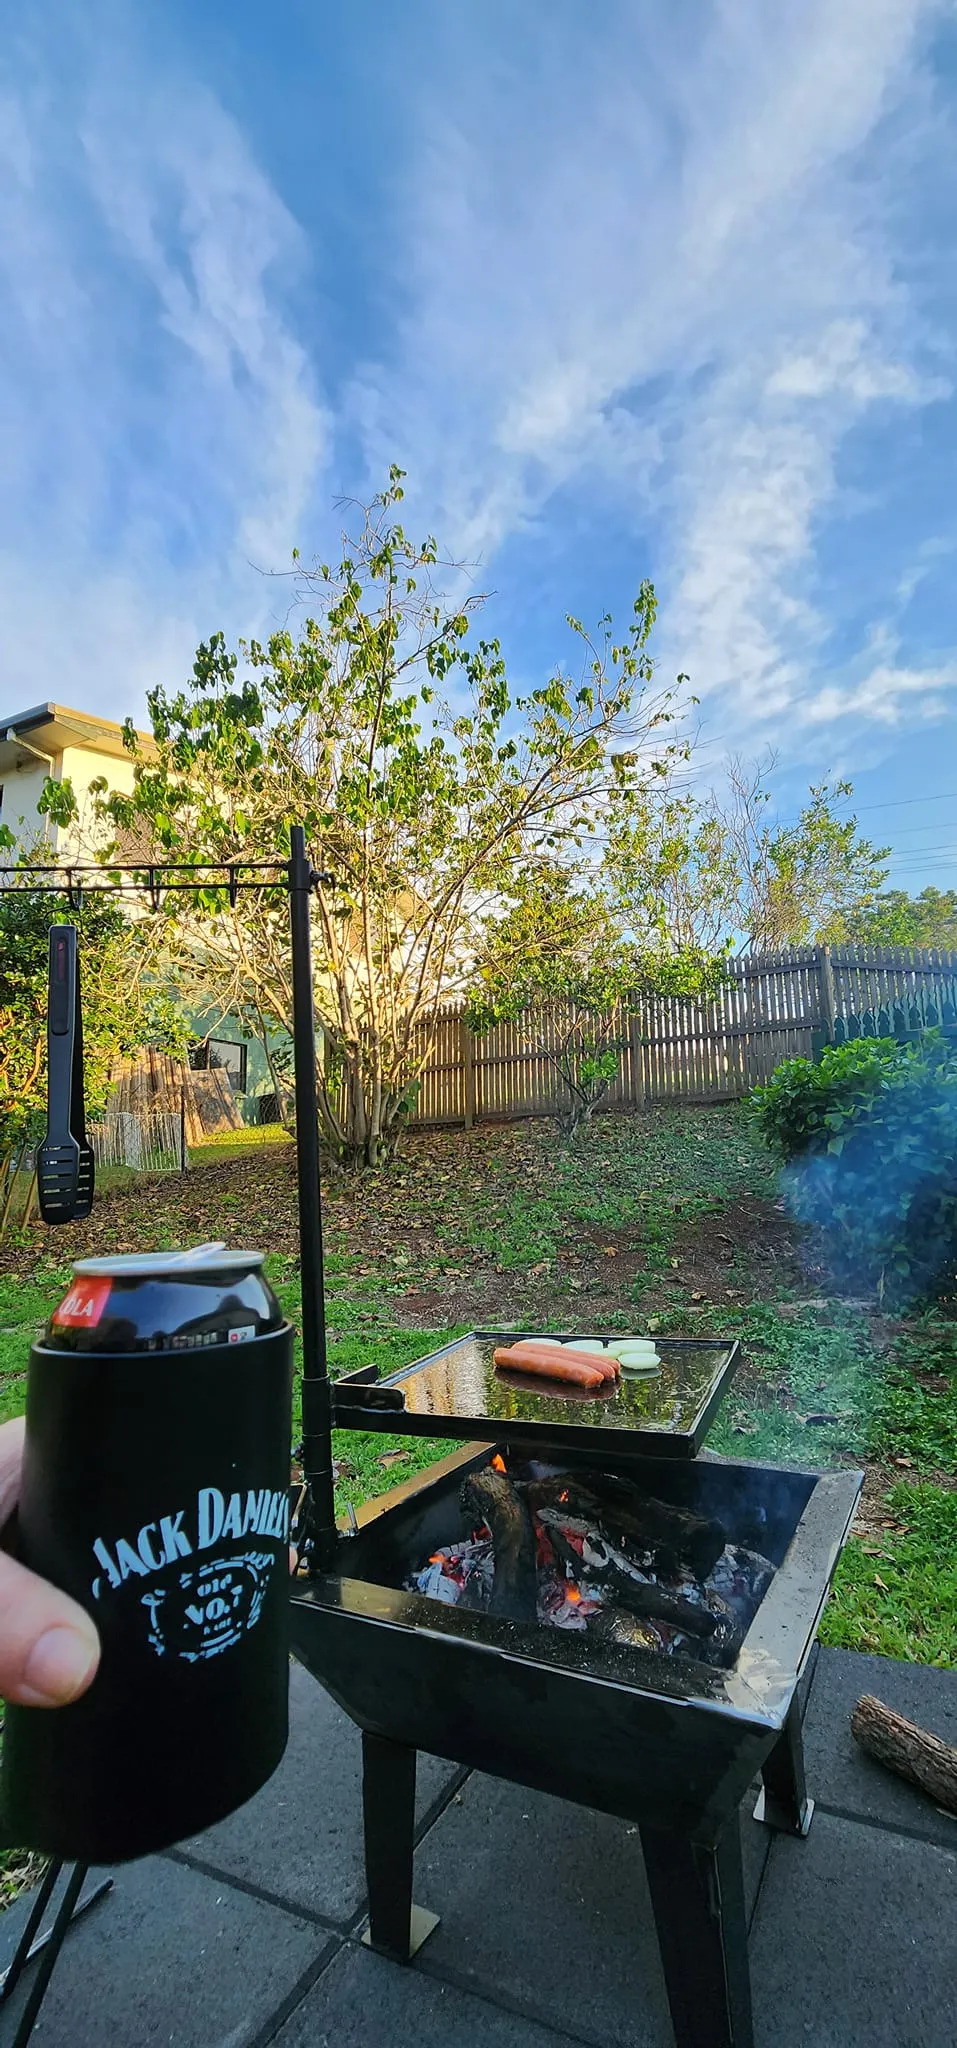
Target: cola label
[206,1608]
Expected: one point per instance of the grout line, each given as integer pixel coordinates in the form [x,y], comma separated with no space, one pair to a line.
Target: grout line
[294,1998]
[256,1891]
[888,1827]
[441,1802]
[504,2002]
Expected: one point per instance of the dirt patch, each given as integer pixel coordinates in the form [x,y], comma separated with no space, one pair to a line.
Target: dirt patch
[750,1244]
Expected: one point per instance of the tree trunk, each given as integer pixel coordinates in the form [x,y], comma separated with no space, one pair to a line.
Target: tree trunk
[923,1759]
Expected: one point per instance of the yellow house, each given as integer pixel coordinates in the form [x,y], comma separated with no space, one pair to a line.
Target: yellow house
[52,739]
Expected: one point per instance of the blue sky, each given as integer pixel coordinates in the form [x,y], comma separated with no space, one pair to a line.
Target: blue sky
[626,290]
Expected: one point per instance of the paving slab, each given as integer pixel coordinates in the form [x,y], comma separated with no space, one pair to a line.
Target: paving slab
[854,1943]
[545,1904]
[168,1956]
[839,1774]
[300,1838]
[362,2002]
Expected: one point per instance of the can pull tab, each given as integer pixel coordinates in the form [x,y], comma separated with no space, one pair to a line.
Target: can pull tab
[196,1253]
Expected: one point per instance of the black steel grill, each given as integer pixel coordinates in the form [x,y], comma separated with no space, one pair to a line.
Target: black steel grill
[669,1742]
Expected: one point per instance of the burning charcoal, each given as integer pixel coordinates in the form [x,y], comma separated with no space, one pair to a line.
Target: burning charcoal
[741,1578]
[459,1575]
[489,1498]
[612,1625]
[674,1535]
[727,1635]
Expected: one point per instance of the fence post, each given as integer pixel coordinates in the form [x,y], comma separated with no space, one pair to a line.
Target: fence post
[827,995]
[635,1059]
[467,1043]
[183,1154]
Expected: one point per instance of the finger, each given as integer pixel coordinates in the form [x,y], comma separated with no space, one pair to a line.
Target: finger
[11,1459]
[49,1647]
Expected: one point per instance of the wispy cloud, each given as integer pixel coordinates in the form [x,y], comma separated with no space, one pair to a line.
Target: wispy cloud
[674,265]
[162,420]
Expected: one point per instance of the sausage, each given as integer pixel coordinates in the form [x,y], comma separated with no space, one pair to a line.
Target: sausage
[601,1361]
[548,1362]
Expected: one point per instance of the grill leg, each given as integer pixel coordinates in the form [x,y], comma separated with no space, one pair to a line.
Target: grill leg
[782,1801]
[396,1928]
[697,1892]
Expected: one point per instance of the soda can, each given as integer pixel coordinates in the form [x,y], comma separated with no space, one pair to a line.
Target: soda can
[156,1492]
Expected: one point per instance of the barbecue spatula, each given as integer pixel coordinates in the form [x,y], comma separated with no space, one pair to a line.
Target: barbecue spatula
[65,1167]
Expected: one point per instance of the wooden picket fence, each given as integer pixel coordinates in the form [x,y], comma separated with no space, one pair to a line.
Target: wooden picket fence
[774,1006]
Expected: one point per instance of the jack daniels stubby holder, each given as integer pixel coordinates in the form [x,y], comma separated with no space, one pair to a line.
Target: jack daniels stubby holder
[156,1492]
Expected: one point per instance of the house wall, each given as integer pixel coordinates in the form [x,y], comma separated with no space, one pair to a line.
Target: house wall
[83,765]
[23,787]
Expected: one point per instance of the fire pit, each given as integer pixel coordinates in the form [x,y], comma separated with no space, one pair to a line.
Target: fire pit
[452,1622]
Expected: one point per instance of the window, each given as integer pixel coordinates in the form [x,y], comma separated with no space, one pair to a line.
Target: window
[222,1053]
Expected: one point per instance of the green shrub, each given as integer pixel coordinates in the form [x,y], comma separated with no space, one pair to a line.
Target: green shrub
[868,1137]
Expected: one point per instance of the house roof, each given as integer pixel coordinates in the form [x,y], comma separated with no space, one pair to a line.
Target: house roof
[51,728]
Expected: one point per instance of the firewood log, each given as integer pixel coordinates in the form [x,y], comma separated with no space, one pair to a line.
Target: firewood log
[914,1754]
[676,1535]
[489,1497]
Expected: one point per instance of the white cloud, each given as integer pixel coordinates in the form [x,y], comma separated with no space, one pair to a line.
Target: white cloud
[679,230]
[162,427]
[887,694]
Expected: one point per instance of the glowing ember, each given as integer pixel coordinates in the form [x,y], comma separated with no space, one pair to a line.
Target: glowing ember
[437,1557]
[498,1463]
[572,1593]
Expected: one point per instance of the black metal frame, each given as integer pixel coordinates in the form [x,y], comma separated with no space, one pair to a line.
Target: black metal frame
[362,1401]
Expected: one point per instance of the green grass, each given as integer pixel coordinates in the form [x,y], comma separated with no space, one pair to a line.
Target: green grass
[896,1596]
[799,1367]
[232,1144]
[657,1171]
[823,1386]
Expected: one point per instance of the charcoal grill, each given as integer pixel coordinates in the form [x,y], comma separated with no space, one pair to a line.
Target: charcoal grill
[671,1744]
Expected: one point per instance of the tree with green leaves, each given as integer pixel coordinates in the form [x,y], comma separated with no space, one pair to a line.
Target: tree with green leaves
[893,918]
[719,871]
[559,964]
[425,786]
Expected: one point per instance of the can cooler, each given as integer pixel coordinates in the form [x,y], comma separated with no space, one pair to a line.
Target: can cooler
[156,1492]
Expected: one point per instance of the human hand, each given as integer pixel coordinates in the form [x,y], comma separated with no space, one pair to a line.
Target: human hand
[49,1647]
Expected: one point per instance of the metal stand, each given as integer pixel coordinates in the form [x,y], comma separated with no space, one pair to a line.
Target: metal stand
[48,1945]
[783,1801]
[697,1892]
[396,1927]
[320,1532]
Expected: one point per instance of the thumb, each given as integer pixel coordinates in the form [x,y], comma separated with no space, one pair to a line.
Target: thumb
[49,1647]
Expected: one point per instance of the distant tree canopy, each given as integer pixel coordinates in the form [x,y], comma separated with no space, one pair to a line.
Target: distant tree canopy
[893,918]
[691,870]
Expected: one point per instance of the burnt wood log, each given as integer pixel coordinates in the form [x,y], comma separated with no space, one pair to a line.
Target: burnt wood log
[488,1497]
[676,1535]
[912,1752]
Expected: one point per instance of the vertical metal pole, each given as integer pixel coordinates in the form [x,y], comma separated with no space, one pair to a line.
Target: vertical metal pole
[316,1398]
[182,1128]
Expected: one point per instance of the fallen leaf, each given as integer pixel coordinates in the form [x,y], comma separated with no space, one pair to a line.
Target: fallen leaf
[696,1294]
[610,1251]
[391,1457]
[902,1461]
[878,1581]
